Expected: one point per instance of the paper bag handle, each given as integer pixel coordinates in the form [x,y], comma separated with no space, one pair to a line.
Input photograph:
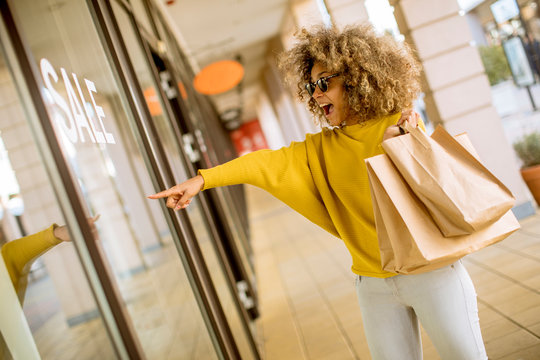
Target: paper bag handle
[416,132]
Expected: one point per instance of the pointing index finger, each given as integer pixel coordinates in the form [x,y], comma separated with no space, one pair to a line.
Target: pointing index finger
[161,194]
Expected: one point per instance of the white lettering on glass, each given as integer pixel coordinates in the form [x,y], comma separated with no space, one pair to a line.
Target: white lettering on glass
[76,108]
[99,110]
[73,118]
[99,135]
[47,71]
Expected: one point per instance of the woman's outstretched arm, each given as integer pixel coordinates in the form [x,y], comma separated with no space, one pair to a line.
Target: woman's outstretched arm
[271,170]
[284,173]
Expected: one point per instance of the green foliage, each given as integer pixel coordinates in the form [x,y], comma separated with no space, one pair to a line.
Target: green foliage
[528,149]
[495,63]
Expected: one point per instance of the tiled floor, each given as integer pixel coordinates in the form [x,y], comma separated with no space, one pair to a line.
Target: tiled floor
[307,298]
[308,302]
[161,306]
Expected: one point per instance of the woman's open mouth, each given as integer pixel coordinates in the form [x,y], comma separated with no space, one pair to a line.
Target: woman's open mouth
[328,109]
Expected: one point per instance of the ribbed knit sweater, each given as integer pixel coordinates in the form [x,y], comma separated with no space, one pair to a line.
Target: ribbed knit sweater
[20,254]
[324,178]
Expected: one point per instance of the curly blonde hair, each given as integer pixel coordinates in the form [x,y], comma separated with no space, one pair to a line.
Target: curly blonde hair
[380,75]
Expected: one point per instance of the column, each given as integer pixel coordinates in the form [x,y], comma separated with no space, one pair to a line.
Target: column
[347,12]
[457,90]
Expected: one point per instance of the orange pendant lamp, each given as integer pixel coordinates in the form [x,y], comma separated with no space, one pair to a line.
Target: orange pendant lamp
[218,77]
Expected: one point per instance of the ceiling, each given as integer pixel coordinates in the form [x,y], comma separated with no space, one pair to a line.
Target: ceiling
[224,29]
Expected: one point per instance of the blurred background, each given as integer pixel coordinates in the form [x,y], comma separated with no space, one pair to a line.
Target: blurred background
[105,102]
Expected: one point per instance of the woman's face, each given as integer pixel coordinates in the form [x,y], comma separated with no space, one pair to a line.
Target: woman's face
[333,102]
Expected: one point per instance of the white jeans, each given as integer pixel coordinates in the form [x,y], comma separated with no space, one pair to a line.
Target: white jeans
[444,300]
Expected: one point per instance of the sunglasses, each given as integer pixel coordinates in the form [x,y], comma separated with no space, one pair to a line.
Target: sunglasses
[322,83]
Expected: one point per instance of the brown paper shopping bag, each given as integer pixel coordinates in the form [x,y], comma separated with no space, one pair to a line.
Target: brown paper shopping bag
[461,194]
[409,240]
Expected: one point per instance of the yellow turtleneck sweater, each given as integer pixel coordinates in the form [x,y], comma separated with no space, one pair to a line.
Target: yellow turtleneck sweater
[325,179]
[20,254]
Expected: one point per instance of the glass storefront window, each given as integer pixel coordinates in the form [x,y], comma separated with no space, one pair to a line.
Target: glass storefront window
[139,9]
[169,140]
[214,150]
[92,124]
[58,305]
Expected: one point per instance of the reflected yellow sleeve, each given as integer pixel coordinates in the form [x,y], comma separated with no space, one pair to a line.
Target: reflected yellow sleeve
[21,253]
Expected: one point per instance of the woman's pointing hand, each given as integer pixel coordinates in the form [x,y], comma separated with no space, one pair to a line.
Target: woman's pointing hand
[179,196]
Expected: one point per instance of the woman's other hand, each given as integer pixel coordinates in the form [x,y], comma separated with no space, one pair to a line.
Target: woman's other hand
[179,196]
[410,116]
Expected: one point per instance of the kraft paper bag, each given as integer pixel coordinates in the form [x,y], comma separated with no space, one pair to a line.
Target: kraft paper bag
[410,241]
[459,192]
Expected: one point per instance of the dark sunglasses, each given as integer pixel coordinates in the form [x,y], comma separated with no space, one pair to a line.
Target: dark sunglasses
[322,83]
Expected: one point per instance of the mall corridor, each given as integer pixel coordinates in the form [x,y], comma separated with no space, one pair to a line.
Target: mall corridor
[105,102]
[308,301]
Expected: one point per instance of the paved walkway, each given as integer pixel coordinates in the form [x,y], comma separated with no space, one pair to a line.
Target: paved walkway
[308,302]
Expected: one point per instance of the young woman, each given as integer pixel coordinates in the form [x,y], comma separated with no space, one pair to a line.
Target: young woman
[359,83]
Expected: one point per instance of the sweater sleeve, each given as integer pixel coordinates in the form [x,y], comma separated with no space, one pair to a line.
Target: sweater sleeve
[21,253]
[284,173]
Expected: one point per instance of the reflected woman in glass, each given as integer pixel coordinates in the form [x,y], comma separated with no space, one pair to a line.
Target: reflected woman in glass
[19,255]
[15,263]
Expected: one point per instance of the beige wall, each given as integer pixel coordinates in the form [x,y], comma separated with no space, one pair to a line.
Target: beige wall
[290,115]
[347,12]
[269,122]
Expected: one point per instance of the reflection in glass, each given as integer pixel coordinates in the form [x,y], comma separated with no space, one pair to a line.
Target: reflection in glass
[57,301]
[92,124]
